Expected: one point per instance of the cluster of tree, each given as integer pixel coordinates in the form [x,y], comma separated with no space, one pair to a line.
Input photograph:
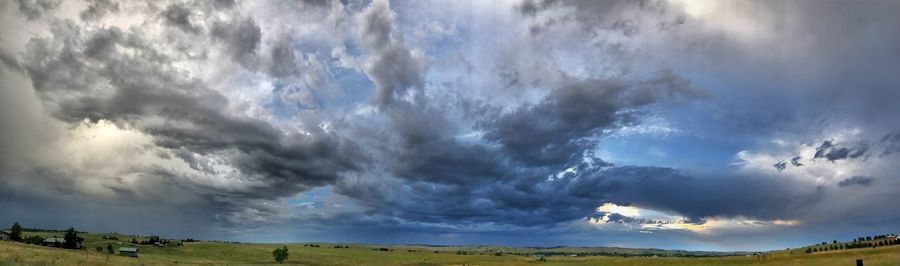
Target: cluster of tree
[861,242]
[15,232]
[826,248]
[280,254]
[71,238]
[870,238]
[382,249]
[872,244]
[73,241]
[339,246]
[157,241]
[311,245]
[27,229]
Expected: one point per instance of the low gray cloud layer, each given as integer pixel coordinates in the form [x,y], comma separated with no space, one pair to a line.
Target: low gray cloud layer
[856,180]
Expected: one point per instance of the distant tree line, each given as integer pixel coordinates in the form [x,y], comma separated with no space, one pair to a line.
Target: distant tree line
[71,239]
[157,241]
[859,242]
[603,253]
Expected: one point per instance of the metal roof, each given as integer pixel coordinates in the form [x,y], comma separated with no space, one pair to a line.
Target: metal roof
[128,249]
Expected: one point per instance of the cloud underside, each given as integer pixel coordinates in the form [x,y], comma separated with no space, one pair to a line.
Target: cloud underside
[234,111]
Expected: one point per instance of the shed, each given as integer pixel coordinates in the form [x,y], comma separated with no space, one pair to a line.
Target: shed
[128,251]
[5,235]
[54,241]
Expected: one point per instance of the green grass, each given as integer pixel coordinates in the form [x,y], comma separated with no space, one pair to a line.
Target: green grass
[215,253]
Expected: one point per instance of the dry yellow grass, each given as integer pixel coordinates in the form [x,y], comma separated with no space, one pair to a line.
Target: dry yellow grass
[206,253]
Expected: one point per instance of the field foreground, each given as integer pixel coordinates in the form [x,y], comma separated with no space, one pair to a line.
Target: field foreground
[215,253]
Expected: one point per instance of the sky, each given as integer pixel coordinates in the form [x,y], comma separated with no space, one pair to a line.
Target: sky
[694,125]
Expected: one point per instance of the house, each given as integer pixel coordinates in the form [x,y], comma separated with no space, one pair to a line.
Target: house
[60,242]
[5,235]
[128,251]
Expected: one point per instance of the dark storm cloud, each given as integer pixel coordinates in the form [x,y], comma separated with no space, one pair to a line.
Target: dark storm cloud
[783,164]
[554,130]
[780,165]
[241,39]
[316,3]
[534,199]
[796,161]
[891,143]
[759,197]
[34,9]
[392,66]
[99,8]
[518,182]
[833,152]
[283,60]
[181,114]
[428,151]
[531,7]
[179,16]
[856,180]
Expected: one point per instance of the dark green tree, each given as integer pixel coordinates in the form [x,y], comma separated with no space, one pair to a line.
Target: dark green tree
[280,254]
[109,248]
[15,232]
[71,238]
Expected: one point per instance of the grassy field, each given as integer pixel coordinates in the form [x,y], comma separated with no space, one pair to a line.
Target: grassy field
[215,253]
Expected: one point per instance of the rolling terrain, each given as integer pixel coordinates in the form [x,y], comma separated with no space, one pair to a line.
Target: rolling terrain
[219,253]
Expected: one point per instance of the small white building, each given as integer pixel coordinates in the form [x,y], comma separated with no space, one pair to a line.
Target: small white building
[54,241]
[5,235]
[128,251]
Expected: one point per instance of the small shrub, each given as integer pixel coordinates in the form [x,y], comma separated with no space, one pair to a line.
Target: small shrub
[280,254]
